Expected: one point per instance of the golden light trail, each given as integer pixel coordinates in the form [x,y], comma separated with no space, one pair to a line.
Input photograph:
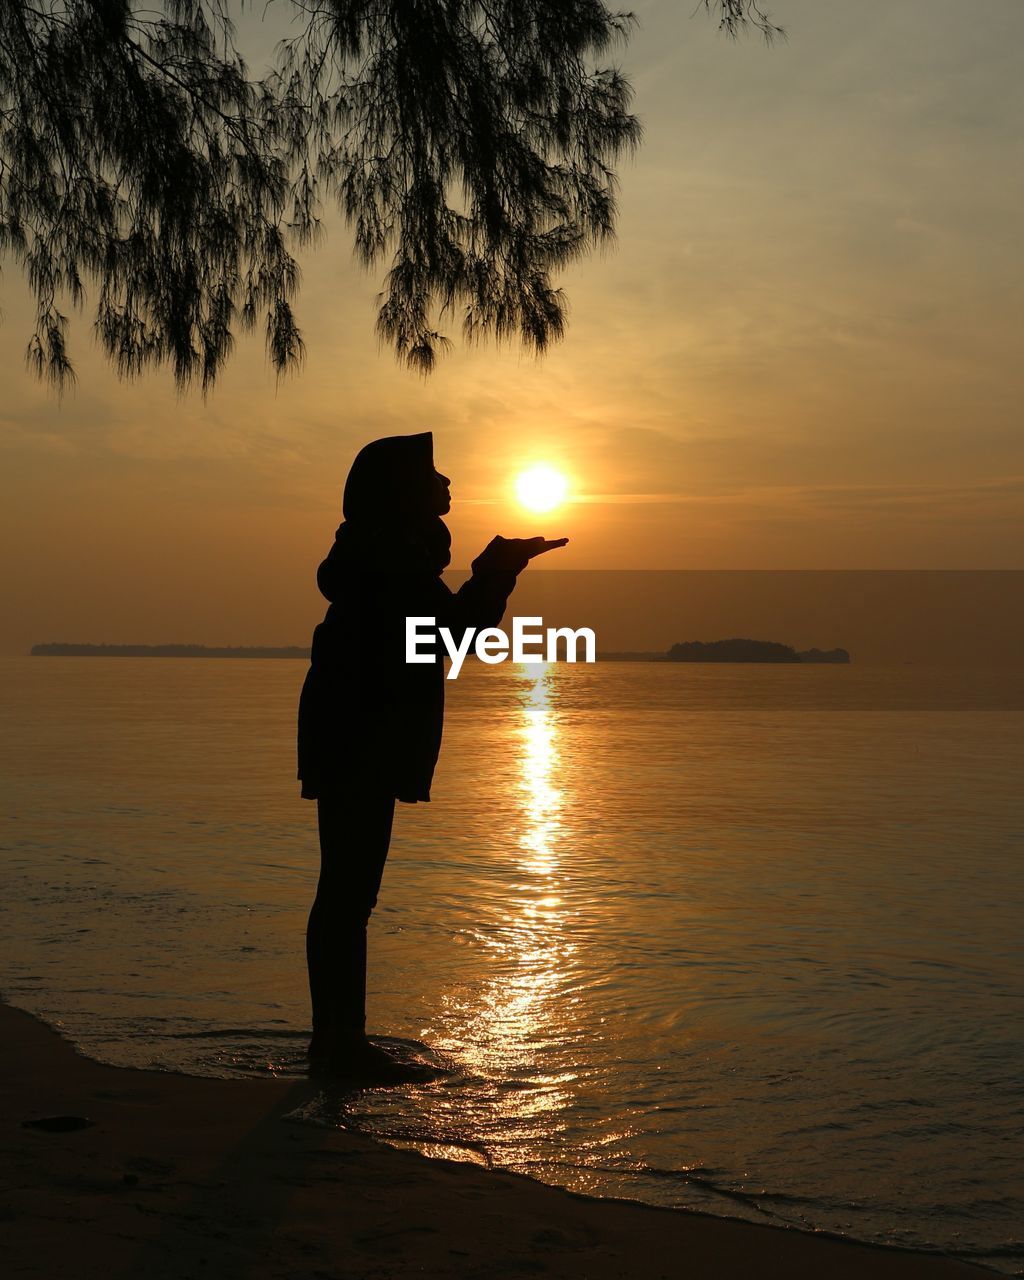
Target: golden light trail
[541,799]
[516,1016]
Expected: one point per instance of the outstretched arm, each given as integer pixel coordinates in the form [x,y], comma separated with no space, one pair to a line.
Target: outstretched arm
[481,600]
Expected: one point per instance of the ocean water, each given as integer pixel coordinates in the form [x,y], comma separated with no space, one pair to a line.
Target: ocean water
[740,939]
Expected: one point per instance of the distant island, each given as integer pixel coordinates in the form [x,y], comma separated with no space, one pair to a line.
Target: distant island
[686,651]
[165,651]
[730,651]
[627,655]
[749,651]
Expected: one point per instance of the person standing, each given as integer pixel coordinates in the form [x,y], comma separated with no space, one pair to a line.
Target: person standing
[370,724]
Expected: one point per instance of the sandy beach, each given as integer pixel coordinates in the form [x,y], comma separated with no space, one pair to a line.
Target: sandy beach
[185,1177]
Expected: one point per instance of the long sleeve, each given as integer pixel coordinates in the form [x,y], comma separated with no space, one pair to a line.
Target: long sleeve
[366,712]
[480,601]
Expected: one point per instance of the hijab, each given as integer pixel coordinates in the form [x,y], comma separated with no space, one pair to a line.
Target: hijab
[390,521]
[390,478]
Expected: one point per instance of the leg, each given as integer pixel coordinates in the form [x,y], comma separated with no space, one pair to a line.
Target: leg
[355,832]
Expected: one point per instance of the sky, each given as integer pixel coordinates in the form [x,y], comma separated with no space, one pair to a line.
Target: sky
[802,353]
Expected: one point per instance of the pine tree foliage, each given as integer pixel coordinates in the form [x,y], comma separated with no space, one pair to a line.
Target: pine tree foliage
[471,145]
[735,17]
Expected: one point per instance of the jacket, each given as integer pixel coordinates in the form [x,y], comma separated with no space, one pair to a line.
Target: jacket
[366,716]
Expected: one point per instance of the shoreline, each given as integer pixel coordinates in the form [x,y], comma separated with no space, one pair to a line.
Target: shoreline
[185,1176]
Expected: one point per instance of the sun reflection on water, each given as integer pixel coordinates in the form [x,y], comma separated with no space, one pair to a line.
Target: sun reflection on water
[518,1026]
[541,798]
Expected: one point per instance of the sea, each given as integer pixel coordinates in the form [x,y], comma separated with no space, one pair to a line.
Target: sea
[738,939]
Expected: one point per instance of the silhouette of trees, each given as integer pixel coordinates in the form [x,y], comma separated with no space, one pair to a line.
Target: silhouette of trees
[469,143]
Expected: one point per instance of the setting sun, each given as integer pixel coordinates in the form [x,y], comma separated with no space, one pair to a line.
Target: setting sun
[542,488]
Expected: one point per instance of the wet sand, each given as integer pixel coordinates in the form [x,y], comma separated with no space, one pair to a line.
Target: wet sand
[184,1177]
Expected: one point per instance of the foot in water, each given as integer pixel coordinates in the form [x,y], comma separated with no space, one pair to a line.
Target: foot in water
[358,1059]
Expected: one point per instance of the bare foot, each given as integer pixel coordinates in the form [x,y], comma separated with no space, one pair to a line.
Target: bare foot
[355,1058]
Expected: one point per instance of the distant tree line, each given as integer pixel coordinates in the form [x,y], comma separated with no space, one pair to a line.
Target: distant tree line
[738,650]
[166,651]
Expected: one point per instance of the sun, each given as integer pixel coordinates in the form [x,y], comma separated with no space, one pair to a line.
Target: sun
[542,488]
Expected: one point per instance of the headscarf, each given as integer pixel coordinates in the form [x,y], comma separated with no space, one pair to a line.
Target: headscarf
[388,505]
[391,478]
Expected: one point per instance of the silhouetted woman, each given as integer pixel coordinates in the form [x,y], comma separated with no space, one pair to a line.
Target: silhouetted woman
[369,723]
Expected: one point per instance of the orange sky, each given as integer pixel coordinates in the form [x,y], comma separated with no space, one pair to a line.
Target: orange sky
[804,353]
